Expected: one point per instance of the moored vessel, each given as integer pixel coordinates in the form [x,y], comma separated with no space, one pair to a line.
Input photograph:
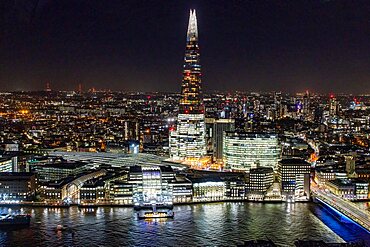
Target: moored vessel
[155,212]
[15,220]
[143,214]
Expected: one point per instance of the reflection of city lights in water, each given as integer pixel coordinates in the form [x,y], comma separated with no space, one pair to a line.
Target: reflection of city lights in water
[157,221]
[222,224]
[99,213]
[59,235]
[290,207]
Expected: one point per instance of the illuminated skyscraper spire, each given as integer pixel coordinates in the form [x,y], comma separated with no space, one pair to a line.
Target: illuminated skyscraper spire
[192,27]
[187,142]
[191,90]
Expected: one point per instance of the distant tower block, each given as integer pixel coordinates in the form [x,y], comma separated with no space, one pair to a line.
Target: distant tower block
[333,106]
[47,87]
[350,163]
[80,88]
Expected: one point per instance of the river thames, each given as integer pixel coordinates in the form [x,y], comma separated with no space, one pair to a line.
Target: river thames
[214,224]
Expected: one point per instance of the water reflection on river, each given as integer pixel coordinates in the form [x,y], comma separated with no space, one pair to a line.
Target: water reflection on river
[211,224]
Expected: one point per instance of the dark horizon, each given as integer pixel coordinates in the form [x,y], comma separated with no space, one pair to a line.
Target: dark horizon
[320,46]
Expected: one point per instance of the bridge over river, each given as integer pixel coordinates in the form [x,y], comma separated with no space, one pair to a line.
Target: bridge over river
[347,209]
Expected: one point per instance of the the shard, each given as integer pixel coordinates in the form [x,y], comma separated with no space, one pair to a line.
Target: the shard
[187,141]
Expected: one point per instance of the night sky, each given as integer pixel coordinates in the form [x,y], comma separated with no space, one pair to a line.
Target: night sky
[322,46]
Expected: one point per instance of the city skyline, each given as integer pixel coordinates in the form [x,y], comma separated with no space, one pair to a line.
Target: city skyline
[248,46]
[229,168]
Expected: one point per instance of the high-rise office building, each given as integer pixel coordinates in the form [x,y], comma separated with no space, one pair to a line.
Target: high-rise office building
[187,141]
[278,109]
[306,105]
[350,163]
[245,150]
[333,106]
[219,127]
[209,135]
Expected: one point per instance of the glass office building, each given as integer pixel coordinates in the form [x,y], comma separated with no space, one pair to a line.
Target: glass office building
[245,150]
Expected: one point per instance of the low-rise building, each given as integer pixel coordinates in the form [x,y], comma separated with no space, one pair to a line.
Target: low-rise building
[6,164]
[54,192]
[181,190]
[235,188]
[17,186]
[324,174]
[361,189]
[341,187]
[121,192]
[294,177]
[92,192]
[57,171]
[208,189]
[260,179]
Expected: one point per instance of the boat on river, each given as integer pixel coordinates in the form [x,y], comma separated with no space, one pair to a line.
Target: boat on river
[15,220]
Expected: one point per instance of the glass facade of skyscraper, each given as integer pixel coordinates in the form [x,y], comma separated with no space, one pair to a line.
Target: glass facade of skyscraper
[187,142]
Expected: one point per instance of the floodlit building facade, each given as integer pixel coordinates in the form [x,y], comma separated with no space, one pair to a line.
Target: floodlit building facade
[245,150]
[260,179]
[17,186]
[294,177]
[151,185]
[208,189]
[6,165]
[58,171]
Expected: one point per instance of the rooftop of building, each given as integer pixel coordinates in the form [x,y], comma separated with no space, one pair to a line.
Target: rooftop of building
[104,176]
[362,170]
[135,169]
[15,175]
[260,170]
[359,181]
[166,168]
[63,165]
[205,179]
[331,169]
[93,183]
[3,159]
[340,182]
[181,179]
[250,134]
[59,183]
[139,169]
[5,153]
[293,161]
[205,173]
[257,243]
